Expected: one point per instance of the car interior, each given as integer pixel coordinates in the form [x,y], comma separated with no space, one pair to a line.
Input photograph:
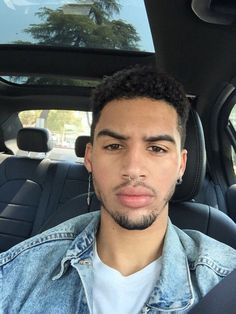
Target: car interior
[43,73]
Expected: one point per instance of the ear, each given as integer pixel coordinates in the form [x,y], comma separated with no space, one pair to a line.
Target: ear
[183,162]
[88,157]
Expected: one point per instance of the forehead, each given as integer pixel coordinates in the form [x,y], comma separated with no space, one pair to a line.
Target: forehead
[138,114]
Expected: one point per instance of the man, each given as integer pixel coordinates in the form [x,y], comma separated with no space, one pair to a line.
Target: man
[127,258]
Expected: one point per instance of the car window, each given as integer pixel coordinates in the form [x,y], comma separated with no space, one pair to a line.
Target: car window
[65,126]
[86,23]
[232,120]
[48,80]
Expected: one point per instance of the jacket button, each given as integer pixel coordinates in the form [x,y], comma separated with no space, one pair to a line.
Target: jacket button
[85,262]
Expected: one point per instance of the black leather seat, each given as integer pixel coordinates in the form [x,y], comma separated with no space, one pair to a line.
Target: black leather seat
[80,145]
[22,185]
[34,140]
[3,148]
[231,201]
[184,212]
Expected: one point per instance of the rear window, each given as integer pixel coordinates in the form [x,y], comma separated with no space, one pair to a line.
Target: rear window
[64,125]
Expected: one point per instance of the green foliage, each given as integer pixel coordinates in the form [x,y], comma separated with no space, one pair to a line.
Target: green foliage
[57,118]
[29,117]
[97,30]
[57,81]
[101,11]
[57,121]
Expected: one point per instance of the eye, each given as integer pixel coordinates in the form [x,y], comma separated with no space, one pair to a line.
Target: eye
[113,147]
[156,149]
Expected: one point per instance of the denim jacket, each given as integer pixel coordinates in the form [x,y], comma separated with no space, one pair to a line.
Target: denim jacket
[53,272]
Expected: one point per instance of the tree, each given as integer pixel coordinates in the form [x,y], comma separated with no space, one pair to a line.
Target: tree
[28,118]
[56,121]
[97,30]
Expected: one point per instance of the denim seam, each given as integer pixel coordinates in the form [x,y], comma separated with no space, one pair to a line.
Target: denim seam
[70,258]
[10,255]
[1,289]
[220,270]
[189,302]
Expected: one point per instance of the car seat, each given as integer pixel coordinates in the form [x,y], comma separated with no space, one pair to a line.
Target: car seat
[23,187]
[184,212]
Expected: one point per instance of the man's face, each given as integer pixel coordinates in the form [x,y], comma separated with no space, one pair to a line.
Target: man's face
[135,160]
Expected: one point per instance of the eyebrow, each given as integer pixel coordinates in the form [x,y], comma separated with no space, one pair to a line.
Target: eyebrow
[157,138]
[110,133]
[154,138]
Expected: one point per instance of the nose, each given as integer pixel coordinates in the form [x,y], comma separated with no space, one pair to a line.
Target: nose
[134,165]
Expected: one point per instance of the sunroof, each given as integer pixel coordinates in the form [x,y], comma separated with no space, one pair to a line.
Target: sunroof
[45,80]
[116,24]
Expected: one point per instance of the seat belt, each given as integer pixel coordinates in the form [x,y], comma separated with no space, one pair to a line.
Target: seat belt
[221,299]
[45,196]
[54,193]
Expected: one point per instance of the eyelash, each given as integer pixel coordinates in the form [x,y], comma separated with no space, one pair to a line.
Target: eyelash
[153,148]
[112,147]
[157,149]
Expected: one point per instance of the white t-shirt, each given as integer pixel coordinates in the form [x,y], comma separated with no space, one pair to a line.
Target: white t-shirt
[118,294]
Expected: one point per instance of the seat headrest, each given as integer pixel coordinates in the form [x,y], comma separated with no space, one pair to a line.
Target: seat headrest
[80,145]
[196,162]
[230,201]
[34,140]
[2,145]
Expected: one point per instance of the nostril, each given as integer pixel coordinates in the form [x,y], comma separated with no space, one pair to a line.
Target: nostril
[134,178]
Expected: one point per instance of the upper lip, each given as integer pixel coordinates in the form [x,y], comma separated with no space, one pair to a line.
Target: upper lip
[134,191]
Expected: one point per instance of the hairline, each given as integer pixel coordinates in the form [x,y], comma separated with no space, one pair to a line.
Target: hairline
[131,97]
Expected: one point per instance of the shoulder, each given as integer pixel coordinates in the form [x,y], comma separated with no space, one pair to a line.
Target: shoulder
[204,250]
[60,237]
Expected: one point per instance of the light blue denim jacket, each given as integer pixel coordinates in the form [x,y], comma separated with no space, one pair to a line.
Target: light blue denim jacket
[52,273]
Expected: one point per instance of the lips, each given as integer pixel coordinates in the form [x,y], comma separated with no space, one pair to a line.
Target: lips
[135,197]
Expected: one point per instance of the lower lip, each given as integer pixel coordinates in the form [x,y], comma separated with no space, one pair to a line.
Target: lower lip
[135,201]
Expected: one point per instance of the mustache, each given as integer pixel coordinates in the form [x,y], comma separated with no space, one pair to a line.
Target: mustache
[134,184]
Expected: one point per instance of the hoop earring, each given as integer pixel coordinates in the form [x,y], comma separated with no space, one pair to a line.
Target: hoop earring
[179,181]
[89,189]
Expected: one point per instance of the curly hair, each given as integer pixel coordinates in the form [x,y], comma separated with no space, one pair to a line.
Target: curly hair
[141,81]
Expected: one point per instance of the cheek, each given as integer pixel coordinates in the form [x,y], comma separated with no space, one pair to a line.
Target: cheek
[166,167]
[103,173]
[103,163]
[164,174]
[100,164]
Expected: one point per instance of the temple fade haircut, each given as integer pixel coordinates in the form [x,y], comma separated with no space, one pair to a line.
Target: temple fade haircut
[141,81]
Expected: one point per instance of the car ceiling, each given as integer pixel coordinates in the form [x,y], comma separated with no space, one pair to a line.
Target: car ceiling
[200,54]
[63,62]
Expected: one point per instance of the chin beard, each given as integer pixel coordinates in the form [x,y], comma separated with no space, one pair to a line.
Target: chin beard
[143,223]
[125,222]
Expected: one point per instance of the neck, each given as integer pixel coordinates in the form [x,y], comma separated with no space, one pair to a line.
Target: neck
[128,251]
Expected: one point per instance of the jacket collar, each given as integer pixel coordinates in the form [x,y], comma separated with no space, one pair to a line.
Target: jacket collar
[81,249]
[173,290]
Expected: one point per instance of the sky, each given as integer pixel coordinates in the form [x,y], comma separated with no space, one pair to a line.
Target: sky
[16,15]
